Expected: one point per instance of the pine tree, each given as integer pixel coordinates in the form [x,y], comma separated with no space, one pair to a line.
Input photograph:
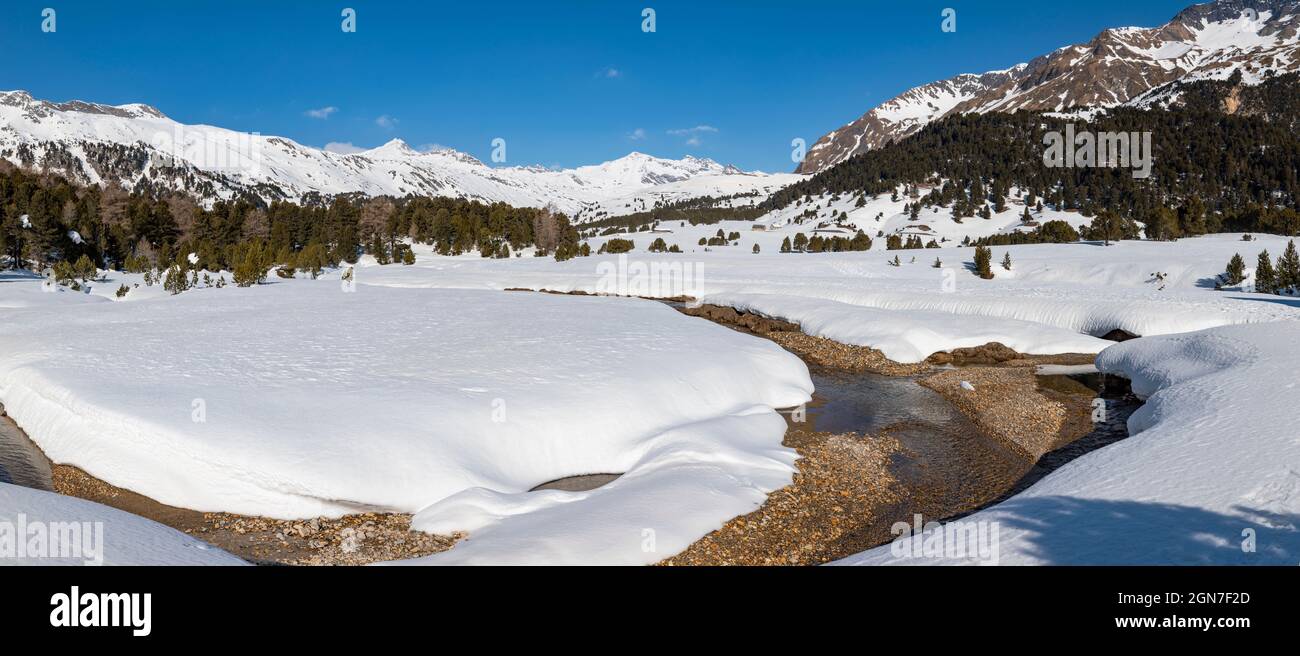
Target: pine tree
[85,269]
[1163,225]
[984,262]
[1236,270]
[785,245]
[1288,268]
[1265,276]
[1191,216]
[1006,261]
[175,280]
[756,249]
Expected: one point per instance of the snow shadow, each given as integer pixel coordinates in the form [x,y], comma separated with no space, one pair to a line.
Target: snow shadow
[1281,300]
[20,275]
[1072,531]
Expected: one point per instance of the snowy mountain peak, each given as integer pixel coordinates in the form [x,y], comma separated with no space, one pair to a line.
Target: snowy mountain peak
[138,147]
[394,149]
[1119,66]
[41,108]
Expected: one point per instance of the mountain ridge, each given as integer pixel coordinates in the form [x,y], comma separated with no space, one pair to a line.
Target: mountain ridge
[142,149]
[1118,66]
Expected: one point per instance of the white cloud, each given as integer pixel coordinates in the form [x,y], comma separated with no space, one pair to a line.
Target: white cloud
[431,147]
[322,113]
[693,134]
[342,147]
[695,130]
[386,122]
[609,72]
[637,134]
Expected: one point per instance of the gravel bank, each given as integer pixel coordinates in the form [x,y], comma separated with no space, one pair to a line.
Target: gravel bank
[836,506]
[350,540]
[1006,404]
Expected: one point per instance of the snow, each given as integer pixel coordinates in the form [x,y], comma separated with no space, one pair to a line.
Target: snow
[290,400]
[237,161]
[1208,476]
[126,539]
[318,402]
[1060,296]
[683,487]
[910,337]
[878,215]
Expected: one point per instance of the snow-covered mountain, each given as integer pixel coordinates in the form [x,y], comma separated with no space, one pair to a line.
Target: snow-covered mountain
[1120,66]
[139,147]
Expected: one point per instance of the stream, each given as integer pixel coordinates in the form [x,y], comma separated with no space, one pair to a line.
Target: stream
[947,468]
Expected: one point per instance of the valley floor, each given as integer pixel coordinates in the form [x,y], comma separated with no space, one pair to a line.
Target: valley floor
[429,390]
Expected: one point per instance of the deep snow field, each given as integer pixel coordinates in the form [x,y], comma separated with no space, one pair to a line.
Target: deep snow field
[430,390]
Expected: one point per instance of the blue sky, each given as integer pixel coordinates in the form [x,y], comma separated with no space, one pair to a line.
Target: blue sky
[564,83]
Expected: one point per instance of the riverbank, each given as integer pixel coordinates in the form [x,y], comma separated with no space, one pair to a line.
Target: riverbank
[349,540]
[852,487]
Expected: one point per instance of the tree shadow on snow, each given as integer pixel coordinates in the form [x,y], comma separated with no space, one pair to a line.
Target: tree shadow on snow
[1281,300]
[1072,531]
[18,276]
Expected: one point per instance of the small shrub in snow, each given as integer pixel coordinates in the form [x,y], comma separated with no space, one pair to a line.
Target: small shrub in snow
[616,246]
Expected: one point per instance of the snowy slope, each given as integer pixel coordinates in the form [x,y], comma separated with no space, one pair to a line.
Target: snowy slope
[1119,66]
[137,145]
[878,217]
[1209,475]
[126,539]
[292,400]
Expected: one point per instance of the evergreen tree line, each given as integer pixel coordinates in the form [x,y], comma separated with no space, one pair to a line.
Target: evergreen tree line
[820,244]
[702,210]
[45,220]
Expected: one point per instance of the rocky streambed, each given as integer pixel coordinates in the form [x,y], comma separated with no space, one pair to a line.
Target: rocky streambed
[882,442]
